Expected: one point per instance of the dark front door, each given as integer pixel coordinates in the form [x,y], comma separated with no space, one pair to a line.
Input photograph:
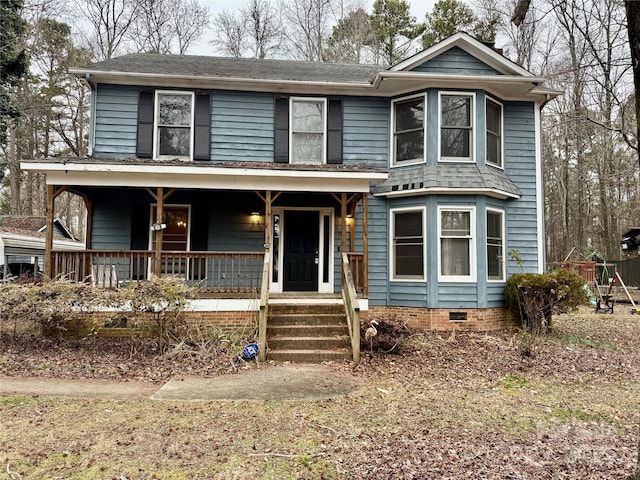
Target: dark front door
[301,243]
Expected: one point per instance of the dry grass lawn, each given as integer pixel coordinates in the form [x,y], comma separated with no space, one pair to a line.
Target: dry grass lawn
[450,406]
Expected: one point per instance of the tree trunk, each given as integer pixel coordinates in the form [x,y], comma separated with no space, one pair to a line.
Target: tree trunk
[633,29]
[14,172]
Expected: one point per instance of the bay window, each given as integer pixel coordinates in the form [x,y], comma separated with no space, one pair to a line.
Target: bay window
[495,245]
[494,133]
[456,126]
[408,130]
[408,244]
[456,228]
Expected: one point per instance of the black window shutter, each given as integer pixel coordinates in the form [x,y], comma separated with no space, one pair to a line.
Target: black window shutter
[334,132]
[202,128]
[281,131]
[144,145]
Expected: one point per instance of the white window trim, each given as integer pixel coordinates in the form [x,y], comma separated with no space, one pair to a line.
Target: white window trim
[156,115]
[473,268]
[486,146]
[472,149]
[392,266]
[504,244]
[325,115]
[392,134]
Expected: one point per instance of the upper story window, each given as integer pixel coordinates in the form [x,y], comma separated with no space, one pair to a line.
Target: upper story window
[408,244]
[308,130]
[174,124]
[456,126]
[408,130]
[457,244]
[495,245]
[494,132]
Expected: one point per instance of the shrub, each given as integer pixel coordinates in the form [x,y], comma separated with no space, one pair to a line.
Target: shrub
[52,306]
[533,297]
[163,300]
[391,335]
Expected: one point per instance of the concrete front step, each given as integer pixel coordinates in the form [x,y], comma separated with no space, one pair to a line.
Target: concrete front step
[310,356]
[308,343]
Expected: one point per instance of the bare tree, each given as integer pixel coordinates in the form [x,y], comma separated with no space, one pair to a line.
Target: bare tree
[163,26]
[230,30]
[350,38]
[190,20]
[263,27]
[110,22]
[308,23]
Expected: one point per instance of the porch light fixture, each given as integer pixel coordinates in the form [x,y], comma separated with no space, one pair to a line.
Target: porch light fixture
[158,226]
[255,218]
[349,221]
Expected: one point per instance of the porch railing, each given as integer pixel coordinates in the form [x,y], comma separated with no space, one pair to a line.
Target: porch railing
[220,272]
[356,262]
[350,298]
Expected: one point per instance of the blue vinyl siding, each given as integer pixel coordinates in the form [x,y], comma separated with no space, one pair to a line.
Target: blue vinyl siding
[111,225]
[378,251]
[242,127]
[116,121]
[366,131]
[520,166]
[456,61]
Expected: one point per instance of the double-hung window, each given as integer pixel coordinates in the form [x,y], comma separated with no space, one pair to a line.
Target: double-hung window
[408,244]
[408,130]
[456,127]
[494,133]
[457,244]
[495,245]
[308,130]
[174,124]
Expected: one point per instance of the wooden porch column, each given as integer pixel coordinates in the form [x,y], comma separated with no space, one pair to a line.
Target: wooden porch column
[343,222]
[268,230]
[365,243]
[158,233]
[48,242]
[88,204]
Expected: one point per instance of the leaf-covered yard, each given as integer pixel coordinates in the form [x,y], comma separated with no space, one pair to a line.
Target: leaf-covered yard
[466,405]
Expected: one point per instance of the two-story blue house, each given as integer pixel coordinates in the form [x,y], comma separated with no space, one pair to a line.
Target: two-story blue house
[423,175]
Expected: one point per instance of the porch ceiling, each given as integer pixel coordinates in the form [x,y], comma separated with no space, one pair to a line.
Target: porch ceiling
[111,173]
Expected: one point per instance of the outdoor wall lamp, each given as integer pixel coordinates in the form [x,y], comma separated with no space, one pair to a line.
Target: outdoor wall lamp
[255,218]
[349,221]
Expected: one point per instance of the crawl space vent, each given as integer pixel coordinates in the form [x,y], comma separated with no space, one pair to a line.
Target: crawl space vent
[458,316]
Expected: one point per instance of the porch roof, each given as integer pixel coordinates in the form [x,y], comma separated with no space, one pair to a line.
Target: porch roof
[205,175]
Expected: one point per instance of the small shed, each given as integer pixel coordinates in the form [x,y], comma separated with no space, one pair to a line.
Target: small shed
[22,243]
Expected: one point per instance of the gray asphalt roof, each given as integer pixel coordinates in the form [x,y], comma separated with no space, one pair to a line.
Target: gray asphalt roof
[247,68]
[464,177]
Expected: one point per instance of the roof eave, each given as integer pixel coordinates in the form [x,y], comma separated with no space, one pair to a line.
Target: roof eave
[490,192]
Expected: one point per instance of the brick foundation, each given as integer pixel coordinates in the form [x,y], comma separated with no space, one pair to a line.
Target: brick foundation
[478,319]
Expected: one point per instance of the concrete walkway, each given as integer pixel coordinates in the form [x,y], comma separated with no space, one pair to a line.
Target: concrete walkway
[291,382]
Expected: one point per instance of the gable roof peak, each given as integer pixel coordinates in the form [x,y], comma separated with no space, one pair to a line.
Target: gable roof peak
[483,51]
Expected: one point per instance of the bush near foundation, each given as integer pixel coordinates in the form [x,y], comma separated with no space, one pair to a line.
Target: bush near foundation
[534,297]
